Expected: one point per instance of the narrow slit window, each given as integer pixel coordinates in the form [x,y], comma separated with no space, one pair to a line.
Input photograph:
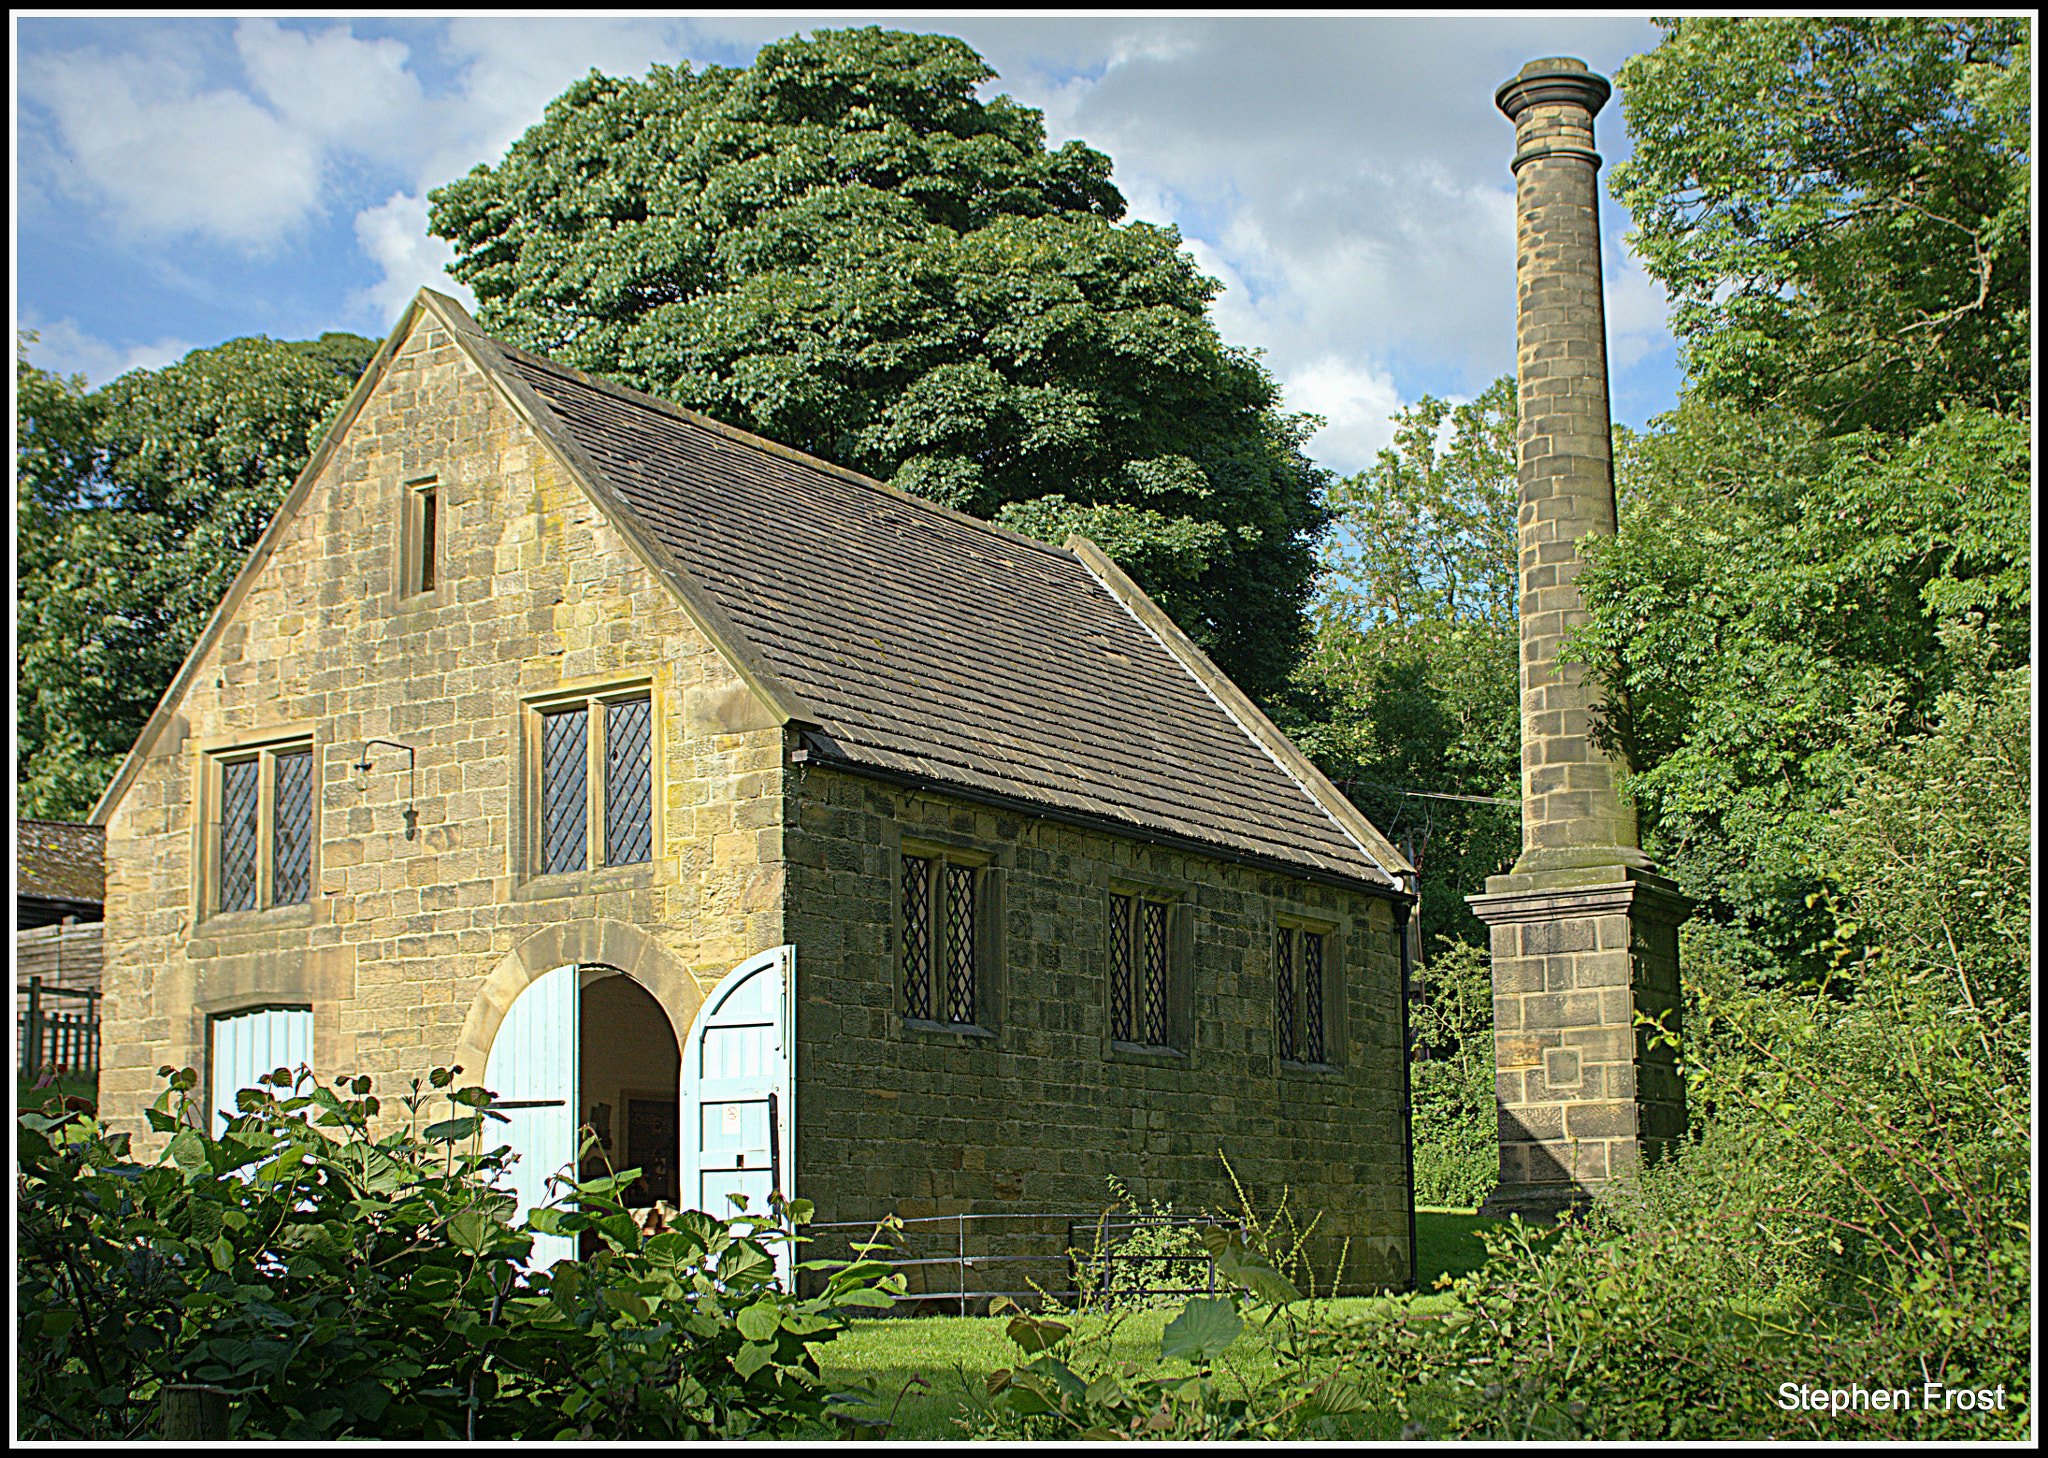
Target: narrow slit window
[429,523]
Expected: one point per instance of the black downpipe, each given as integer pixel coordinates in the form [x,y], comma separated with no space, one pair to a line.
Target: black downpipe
[1403,911]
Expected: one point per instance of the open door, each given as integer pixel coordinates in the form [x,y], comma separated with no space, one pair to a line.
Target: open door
[532,1070]
[739,1116]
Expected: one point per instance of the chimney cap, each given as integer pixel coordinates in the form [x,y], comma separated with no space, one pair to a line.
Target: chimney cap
[1552,81]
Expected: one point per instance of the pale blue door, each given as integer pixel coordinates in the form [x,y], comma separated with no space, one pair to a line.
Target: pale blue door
[532,1072]
[739,1119]
[247,1045]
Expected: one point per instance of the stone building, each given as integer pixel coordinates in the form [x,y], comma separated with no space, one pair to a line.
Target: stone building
[785,829]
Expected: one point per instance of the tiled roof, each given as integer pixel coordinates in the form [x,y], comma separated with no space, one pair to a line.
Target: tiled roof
[933,644]
[59,861]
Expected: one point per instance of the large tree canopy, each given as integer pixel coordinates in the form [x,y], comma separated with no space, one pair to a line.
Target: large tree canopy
[842,248]
[1770,584]
[1839,207]
[137,504]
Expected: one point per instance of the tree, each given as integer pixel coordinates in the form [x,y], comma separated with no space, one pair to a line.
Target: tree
[842,248]
[1417,644]
[138,504]
[1768,583]
[1839,207]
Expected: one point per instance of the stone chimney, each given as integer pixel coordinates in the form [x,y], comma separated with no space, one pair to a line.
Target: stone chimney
[1584,928]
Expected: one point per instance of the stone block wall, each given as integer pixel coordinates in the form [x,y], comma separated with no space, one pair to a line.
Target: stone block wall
[1585,1093]
[1035,1118]
[394,949]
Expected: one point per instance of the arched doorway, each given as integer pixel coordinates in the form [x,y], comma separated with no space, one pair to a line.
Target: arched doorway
[630,1071]
[578,1027]
[585,1048]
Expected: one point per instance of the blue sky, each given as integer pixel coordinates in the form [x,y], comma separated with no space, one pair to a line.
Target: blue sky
[182,181]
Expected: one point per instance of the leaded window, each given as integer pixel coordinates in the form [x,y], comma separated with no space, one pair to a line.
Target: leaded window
[1305,990]
[959,944]
[945,962]
[1283,994]
[595,797]
[564,775]
[241,805]
[917,936]
[1141,986]
[264,854]
[291,862]
[1311,997]
[628,782]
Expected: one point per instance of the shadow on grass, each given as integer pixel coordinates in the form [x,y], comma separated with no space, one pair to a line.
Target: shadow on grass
[1447,1244]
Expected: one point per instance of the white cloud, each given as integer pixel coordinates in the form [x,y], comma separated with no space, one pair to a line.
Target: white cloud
[1359,402]
[393,235]
[343,94]
[165,156]
[1638,311]
[1347,178]
[62,348]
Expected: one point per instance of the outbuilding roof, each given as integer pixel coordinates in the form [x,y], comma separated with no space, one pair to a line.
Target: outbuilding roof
[58,861]
[933,645]
[906,640]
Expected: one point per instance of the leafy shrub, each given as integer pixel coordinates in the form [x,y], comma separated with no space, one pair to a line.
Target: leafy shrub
[1164,1251]
[1068,1390]
[1457,1131]
[337,1285]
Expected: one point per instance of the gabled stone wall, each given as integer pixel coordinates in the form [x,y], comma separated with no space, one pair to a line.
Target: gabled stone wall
[394,949]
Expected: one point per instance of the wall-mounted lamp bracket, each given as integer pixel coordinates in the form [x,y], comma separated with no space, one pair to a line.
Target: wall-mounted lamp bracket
[362,768]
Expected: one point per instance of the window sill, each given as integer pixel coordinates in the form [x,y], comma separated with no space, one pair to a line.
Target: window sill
[585,883]
[1320,1072]
[1150,1055]
[436,596]
[963,1035]
[296,913]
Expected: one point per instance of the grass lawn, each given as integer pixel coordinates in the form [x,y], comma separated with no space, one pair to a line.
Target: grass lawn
[1447,1244]
[77,1085]
[940,1364]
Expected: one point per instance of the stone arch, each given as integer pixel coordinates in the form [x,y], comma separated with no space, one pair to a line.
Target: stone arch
[596,941]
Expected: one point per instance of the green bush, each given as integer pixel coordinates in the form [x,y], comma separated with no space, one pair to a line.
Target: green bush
[1457,1131]
[336,1285]
[1167,1251]
[1069,1390]
[1853,1203]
